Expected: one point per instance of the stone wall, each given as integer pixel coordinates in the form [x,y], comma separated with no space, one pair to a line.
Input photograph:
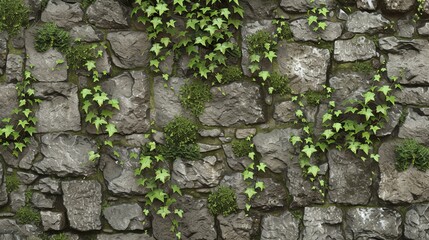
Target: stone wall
[88,200]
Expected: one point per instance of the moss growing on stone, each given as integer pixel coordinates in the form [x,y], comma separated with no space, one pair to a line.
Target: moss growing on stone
[241,148]
[279,83]
[410,152]
[78,54]
[12,182]
[14,15]
[51,36]
[27,215]
[223,201]
[314,98]
[231,74]
[194,96]
[256,42]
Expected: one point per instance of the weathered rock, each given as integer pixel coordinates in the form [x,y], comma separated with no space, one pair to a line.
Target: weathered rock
[350,179]
[284,226]
[417,96]
[208,147]
[367,4]
[82,199]
[53,220]
[130,48]
[393,117]
[234,162]
[210,132]
[426,7]
[14,67]
[364,22]
[257,9]
[399,5]
[236,182]
[103,64]
[243,133]
[424,30]
[85,33]
[63,14]
[395,45]
[43,66]
[126,217]
[17,198]
[27,178]
[275,148]
[417,222]
[3,193]
[8,100]
[48,185]
[415,127]
[133,93]
[406,28]
[409,186]
[303,32]
[348,86]
[241,103]
[66,155]
[197,174]
[3,48]
[358,48]
[10,230]
[107,14]
[44,201]
[373,223]
[306,66]
[322,223]
[304,5]
[124,236]
[284,112]
[274,195]
[236,226]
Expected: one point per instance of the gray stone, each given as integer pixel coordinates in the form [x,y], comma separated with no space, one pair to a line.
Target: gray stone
[124,236]
[373,223]
[348,86]
[274,195]
[245,132]
[322,223]
[14,67]
[59,110]
[393,117]
[43,201]
[304,5]
[63,14]
[417,222]
[350,179]
[208,147]
[8,100]
[306,66]
[102,64]
[284,226]
[126,217]
[415,126]
[394,45]
[424,30]
[130,48]
[107,14]
[236,182]
[210,132]
[82,199]
[10,230]
[4,198]
[85,33]
[258,9]
[276,149]
[237,226]
[426,7]
[367,4]
[364,22]
[43,66]
[406,28]
[358,48]
[27,178]
[417,96]
[399,5]
[53,220]
[48,185]
[3,48]
[242,103]
[133,93]
[66,155]
[342,15]
[17,198]
[197,174]
[234,162]
[284,112]
[409,186]
[303,32]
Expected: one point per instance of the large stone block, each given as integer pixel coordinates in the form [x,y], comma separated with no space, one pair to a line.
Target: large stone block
[364,22]
[284,226]
[63,14]
[358,48]
[107,14]
[130,49]
[322,223]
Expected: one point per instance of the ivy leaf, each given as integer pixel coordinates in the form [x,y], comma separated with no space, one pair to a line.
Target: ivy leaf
[367,112]
[211,29]
[179,212]
[165,41]
[161,8]
[351,109]
[225,12]
[98,122]
[6,120]
[163,211]
[100,98]
[337,126]
[376,157]
[365,148]
[156,48]
[270,55]
[255,58]
[156,21]
[92,156]
[85,92]
[171,23]
[179,2]
[111,129]
[261,167]
[299,113]
[247,174]
[141,181]
[385,89]
[377,78]
[369,96]
[328,133]
[152,146]
[326,117]
[323,146]
[323,11]
[391,99]
[176,189]
[86,105]
[27,112]
[89,116]
[322,25]
[114,103]
[19,146]
[260,185]
[313,170]
[23,123]
[251,155]
[156,194]
[374,128]
[30,130]
[238,10]
[145,162]
[312,19]
[264,75]
[309,150]
[162,175]
[250,192]
[108,143]
[295,139]
[218,22]
[254,67]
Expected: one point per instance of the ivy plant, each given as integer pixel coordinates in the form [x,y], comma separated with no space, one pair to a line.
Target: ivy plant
[14,15]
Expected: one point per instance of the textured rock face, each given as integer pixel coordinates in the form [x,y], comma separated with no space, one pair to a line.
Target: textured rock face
[48,185]
[399,5]
[59,110]
[417,222]
[107,14]
[3,193]
[258,9]
[133,93]
[322,223]
[409,186]
[86,33]
[305,66]
[62,14]
[126,217]
[367,4]
[125,236]
[418,96]
[8,100]
[43,201]
[415,126]
[303,5]
[285,111]
[424,31]
[66,155]
[303,32]
[82,200]
[284,226]
[236,226]
[3,48]
[364,22]
[274,195]
[9,229]
[358,48]
[242,103]
[373,223]
[348,86]
[350,178]
[236,182]
[53,220]
[131,49]
[14,66]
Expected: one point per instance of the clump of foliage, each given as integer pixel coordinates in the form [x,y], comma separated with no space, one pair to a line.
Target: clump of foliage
[28,215]
[316,17]
[314,98]
[256,42]
[410,152]
[279,84]
[283,31]
[363,67]
[230,74]
[79,54]
[223,201]
[241,147]
[12,182]
[51,36]
[14,15]
[194,95]
[180,136]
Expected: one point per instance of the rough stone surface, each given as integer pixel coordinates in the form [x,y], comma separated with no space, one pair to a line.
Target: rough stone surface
[17,198]
[210,132]
[43,201]
[258,9]
[48,185]
[417,96]
[236,182]
[130,48]
[66,155]
[10,230]
[358,48]
[241,103]
[27,178]
[274,195]
[59,110]
[63,14]
[393,116]
[370,5]
[8,100]
[348,86]
[373,223]
[236,226]
[364,22]
[3,193]
[417,222]
[208,147]
[124,236]
[82,199]
[126,217]
[350,178]
[306,66]
[245,132]
[409,186]
[53,220]
[86,33]
[133,93]
[303,5]
[284,226]
[415,126]
[14,67]
[424,30]
[107,14]
[284,112]
[197,174]
[399,5]
[3,48]
[303,32]
[322,223]
[234,162]
[406,28]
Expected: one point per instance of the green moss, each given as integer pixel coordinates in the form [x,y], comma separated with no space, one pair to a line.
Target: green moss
[223,201]
[12,182]
[180,136]
[78,54]
[194,95]
[256,42]
[27,215]
[14,15]
[410,152]
[285,31]
[358,66]
[314,98]
[279,83]
[231,74]
[241,148]
[51,36]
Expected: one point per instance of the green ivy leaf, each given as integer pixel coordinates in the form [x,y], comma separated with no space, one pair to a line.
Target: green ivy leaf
[337,126]
[152,146]
[322,25]
[156,194]
[161,8]
[260,185]
[85,92]
[376,157]
[328,133]
[374,128]
[295,139]
[369,96]
[323,11]
[163,212]
[251,155]
[145,162]
[111,129]
[176,189]
[100,98]
[365,148]
[7,130]
[367,112]
[312,19]
[162,175]
[156,48]
[309,150]
[90,65]
[255,58]
[313,170]
[326,117]
[30,130]
[93,156]
[179,212]
[114,103]
[99,122]
[261,167]
[247,174]
[250,192]
[385,89]
[270,55]
[264,75]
